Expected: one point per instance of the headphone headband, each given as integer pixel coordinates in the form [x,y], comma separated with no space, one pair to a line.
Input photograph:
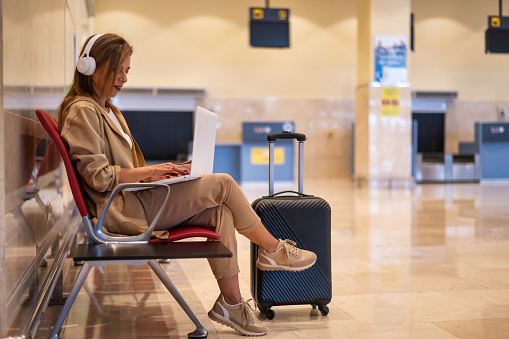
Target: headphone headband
[91,42]
[86,63]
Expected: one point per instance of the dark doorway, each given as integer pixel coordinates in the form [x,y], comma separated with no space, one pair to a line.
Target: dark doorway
[161,135]
[430,132]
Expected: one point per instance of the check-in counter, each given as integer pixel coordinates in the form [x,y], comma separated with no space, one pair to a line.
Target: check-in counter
[492,145]
[227,159]
[255,152]
[249,161]
[445,167]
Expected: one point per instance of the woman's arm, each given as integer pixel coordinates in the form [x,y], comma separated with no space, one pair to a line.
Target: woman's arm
[81,131]
[134,174]
[86,147]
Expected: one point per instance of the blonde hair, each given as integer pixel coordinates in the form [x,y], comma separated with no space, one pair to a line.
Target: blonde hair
[110,50]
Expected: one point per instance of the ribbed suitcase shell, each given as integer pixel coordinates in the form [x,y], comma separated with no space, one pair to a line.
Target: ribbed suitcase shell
[307,221]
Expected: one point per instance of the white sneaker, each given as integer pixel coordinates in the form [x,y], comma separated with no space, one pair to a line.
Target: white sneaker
[240,317]
[286,257]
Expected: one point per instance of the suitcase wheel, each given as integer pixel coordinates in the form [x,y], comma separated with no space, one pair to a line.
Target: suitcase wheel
[324,310]
[270,314]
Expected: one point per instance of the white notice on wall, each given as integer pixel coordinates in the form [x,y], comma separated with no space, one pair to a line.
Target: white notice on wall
[391,59]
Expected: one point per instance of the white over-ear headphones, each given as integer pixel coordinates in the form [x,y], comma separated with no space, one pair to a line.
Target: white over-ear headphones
[86,63]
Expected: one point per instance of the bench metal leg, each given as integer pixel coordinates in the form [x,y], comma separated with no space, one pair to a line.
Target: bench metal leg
[70,299]
[57,298]
[200,331]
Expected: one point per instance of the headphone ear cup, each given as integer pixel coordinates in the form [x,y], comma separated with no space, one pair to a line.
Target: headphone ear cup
[91,66]
[86,65]
[82,64]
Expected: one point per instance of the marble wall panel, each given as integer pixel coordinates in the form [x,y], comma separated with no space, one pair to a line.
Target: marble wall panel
[3,322]
[361,156]
[326,123]
[37,63]
[22,135]
[383,143]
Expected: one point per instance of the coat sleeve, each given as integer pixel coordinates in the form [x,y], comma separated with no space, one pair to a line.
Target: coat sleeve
[82,132]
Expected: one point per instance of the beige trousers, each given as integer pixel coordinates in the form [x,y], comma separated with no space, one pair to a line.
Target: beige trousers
[214,201]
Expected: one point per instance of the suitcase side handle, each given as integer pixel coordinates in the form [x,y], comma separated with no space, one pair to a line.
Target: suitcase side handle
[286,135]
[298,193]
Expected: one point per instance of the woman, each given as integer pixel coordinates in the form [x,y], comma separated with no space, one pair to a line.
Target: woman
[105,155]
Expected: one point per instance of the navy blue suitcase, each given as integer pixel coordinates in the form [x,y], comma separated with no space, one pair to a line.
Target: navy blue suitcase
[305,219]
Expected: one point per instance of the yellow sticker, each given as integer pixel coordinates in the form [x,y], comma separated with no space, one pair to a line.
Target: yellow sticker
[495,22]
[390,101]
[260,156]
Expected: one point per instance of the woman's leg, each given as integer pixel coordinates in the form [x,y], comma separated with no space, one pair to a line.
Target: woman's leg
[220,220]
[192,197]
[263,238]
[230,289]
[212,191]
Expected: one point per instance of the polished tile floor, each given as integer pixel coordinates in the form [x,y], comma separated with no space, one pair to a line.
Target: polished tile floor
[428,261]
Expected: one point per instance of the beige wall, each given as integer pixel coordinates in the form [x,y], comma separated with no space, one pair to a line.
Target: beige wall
[449,51]
[203,43]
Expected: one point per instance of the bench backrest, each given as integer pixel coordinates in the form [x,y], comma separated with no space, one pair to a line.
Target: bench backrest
[50,124]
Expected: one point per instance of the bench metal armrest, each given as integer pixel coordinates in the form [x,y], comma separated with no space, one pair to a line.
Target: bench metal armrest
[99,237]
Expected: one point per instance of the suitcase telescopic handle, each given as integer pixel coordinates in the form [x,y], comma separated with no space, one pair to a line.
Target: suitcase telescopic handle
[271,138]
[286,135]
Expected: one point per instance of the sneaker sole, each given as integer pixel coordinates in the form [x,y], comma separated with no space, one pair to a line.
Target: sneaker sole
[223,321]
[265,267]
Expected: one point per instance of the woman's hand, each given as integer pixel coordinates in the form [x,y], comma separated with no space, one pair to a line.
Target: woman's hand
[186,166]
[168,170]
[154,172]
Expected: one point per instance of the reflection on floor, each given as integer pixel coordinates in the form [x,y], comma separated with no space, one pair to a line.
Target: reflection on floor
[430,261]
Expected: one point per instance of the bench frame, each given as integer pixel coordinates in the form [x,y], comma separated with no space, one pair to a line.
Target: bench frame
[102,249]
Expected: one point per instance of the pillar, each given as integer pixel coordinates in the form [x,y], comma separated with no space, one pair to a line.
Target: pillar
[383,117]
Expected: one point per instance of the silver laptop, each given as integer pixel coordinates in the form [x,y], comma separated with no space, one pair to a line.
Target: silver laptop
[204,143]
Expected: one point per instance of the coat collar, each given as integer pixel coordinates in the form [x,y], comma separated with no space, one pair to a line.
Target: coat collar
[110,122]
[138,159]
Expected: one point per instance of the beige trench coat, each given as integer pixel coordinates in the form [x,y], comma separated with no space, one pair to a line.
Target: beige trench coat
[99,151]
